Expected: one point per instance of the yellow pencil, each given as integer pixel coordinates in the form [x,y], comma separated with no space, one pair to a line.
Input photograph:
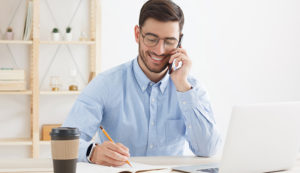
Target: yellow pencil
[109,138]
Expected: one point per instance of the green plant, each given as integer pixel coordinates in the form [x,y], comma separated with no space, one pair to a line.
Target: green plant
[55,30]
[9,29]
[68,29]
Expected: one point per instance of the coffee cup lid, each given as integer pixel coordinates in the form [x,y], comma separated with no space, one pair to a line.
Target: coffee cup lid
[65,131]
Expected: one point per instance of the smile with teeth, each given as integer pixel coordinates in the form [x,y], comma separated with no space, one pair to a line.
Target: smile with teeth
[156,58]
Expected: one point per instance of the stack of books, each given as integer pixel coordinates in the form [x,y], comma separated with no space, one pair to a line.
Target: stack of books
[12,80]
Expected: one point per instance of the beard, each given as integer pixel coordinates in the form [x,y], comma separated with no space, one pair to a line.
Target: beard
[143,55]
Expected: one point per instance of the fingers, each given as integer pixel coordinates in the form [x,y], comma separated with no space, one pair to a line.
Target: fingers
[115,155]
[119,149]
[110,162]
[113,162]
[178,50]
[176,54]
[177,58]
[110,154]
[123,146]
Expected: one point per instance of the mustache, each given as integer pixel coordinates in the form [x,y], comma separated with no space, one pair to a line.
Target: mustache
[162,55]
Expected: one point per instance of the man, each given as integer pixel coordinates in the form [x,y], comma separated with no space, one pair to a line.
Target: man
[146,110]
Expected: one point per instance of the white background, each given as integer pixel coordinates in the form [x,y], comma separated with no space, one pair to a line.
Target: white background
[243,51]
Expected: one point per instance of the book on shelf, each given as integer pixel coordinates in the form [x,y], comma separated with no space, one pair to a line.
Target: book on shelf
[28,22]
[12,85]
[11,75]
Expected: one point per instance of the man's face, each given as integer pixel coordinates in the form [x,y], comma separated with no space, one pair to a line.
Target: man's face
[155,58]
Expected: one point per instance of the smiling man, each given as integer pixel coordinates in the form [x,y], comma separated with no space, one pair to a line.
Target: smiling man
[146,106]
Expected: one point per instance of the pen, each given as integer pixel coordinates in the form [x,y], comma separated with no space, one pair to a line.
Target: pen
[109,138]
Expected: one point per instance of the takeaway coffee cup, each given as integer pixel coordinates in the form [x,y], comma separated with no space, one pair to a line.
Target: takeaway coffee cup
[64,149]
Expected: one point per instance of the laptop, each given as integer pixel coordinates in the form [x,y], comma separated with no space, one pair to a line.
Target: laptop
[260,138]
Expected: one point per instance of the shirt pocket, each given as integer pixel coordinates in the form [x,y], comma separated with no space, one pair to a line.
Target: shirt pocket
[174,130]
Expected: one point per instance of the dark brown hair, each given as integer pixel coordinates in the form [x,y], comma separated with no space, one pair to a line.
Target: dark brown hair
[161,10]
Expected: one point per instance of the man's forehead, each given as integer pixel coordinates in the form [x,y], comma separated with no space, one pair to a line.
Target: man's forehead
[162,29]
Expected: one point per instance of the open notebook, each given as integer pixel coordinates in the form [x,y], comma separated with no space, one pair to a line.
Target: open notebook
[136,168]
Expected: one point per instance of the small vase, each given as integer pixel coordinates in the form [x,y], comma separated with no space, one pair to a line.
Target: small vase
[55,36]
[55,83]
[9,35]
[68,36]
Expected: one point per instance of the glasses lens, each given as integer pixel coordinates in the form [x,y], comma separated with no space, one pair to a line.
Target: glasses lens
[150,40]
[171,43]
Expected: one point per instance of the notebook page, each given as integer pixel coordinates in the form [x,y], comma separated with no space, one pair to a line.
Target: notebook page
[136,168]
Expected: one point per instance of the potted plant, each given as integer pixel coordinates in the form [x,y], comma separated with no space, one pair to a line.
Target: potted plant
[55,34]
[9,35]
[68,36]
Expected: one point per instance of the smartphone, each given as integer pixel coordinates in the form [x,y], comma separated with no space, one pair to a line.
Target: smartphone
[171,64]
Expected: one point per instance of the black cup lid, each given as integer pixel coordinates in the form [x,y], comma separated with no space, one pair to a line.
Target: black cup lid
[65,131]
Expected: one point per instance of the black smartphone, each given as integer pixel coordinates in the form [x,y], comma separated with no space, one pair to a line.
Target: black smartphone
[179,44]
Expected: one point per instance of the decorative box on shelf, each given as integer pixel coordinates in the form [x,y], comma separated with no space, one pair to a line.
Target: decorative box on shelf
[46,131]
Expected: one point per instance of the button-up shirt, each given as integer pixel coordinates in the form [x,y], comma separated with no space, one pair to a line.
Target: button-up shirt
[151,119]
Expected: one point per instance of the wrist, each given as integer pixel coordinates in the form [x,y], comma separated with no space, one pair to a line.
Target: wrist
[183,86]
[90,151]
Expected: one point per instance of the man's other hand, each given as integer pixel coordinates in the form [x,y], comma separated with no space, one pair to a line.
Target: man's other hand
[110,154]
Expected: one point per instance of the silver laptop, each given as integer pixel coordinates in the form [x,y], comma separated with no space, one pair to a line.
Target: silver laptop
[260,138]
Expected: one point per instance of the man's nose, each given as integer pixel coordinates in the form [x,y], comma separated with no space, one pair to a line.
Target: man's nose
[159,49]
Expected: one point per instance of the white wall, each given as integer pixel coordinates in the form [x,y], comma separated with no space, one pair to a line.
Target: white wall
[243,51]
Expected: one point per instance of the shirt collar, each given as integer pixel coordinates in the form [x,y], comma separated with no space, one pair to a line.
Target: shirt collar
[144,81]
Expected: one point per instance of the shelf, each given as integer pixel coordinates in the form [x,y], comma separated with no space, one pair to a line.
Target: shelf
[27,92]
[15,42]
[68,42]
[15,142]
[45,142]
[60,92]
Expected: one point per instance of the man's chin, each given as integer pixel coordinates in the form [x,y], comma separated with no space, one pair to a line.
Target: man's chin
[158,70]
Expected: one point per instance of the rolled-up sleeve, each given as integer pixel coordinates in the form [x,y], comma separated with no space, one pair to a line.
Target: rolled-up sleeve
[201,131]
[86,115]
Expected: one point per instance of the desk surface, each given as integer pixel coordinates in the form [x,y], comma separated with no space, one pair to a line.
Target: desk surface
[45,165]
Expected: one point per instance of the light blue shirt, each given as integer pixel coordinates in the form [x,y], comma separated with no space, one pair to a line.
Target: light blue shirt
[151,119]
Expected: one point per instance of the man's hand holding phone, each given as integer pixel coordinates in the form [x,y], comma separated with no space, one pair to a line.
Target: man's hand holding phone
[179,76]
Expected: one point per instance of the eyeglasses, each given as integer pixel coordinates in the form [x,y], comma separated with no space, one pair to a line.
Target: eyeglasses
[151,40]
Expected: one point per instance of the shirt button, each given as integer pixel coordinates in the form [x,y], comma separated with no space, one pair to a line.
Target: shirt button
[152,123]
[151,146]
[184,102]
[190,126]
[153,100]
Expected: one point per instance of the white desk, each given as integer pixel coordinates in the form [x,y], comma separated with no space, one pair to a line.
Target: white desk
[45,165]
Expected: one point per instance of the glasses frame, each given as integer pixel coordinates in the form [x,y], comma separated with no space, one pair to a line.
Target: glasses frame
[178,41]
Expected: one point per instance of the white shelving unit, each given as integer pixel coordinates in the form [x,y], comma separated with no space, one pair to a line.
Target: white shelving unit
[34,92]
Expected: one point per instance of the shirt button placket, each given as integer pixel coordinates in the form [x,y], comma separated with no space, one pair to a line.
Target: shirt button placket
[152,120]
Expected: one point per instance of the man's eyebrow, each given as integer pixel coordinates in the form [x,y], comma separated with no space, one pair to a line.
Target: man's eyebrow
[171,38]
[149,33]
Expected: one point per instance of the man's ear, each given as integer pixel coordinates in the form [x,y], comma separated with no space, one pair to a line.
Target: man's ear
[136,33]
